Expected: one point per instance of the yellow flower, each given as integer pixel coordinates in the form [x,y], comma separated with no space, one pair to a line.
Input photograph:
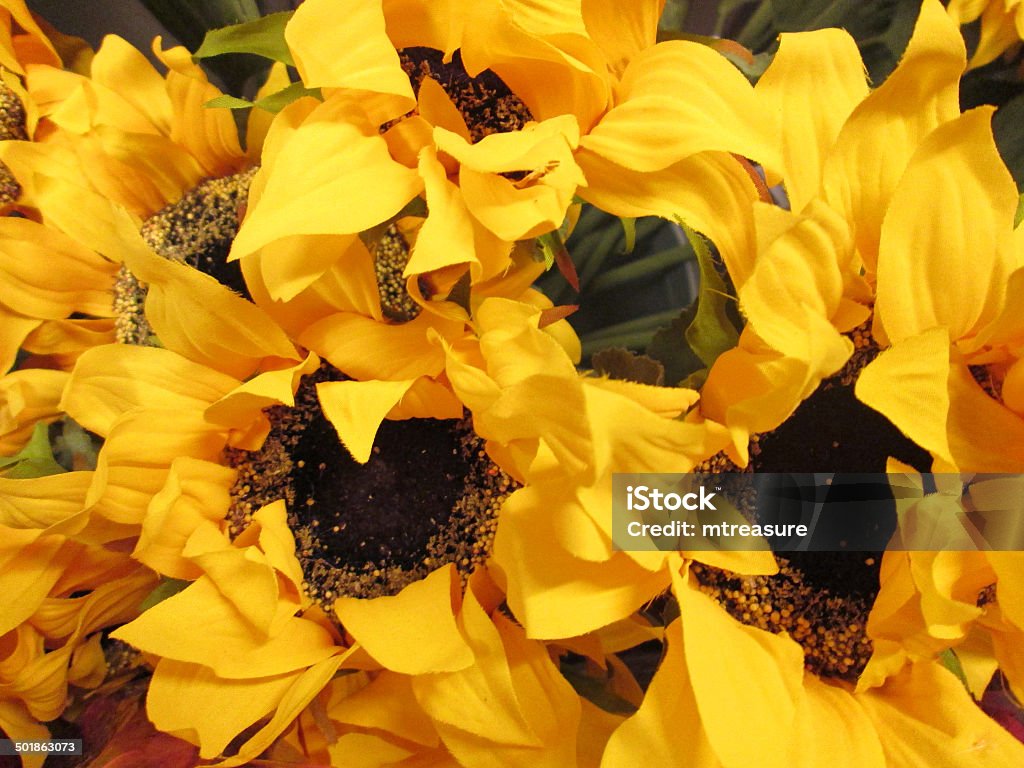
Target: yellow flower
[955,355]
[809,282]
[565,435]
[498,114]
[60,586]
[186,430]
[736,695]
[956,598]
[1002,25]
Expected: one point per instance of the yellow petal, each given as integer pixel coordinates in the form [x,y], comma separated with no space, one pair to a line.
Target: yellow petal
[446,237]
[555,594]
[795,291]
[655,123]
[321,180]
[298,696]
[667,718]
[14,327]
[111,380]
[832,729]
[984,436]
[244,404]
[134,461]
[356,55]
[192,703]
[18,724]
[480,698]
[195,315]
[622,31]
[27,397]
[228,644]
[907,384]
[709,191]
[926,717]
[364,348]
[740,674]
[876,143]
[356,409]
[953,240]
[413,632]
[210,135]
[48,275]
[125,70]
[387,704]
[815,81]
[181,506]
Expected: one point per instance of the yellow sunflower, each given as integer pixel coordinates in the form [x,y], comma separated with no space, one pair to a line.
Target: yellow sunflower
[231,480]
[498,114]
[958,598]
[736,695]
[60,587]
[1002,25]
[807,287]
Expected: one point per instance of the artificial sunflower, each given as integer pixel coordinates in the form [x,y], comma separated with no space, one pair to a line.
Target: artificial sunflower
[959,598]
[302,453]
[844,154]
[61,587]
[719,677]
[498,114]
[1002,25]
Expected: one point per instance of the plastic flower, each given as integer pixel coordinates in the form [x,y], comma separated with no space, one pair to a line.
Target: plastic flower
[60,587]
[498,114]
[955,597]
[1002,25]
[809,283]
[235,462]
[957,355]
[718,675]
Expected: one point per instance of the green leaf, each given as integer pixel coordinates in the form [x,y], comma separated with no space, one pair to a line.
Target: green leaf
[692,342]
[262,37]
[34,460]
[189,20]
[273,102]
[669,347]
[227,102]
[712,332]
[1019,217]
[167,587]
[621,364]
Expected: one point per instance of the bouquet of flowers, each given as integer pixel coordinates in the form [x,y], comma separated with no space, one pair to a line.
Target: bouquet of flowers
[330,337]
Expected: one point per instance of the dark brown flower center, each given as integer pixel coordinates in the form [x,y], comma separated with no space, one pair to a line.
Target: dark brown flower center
[821,599]
[485,102]
[428,496]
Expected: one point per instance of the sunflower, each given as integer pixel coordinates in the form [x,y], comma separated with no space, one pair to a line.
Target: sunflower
[1002,25]
[844,153]
[498,114]
[237,461]
[718,676]
[61,587]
